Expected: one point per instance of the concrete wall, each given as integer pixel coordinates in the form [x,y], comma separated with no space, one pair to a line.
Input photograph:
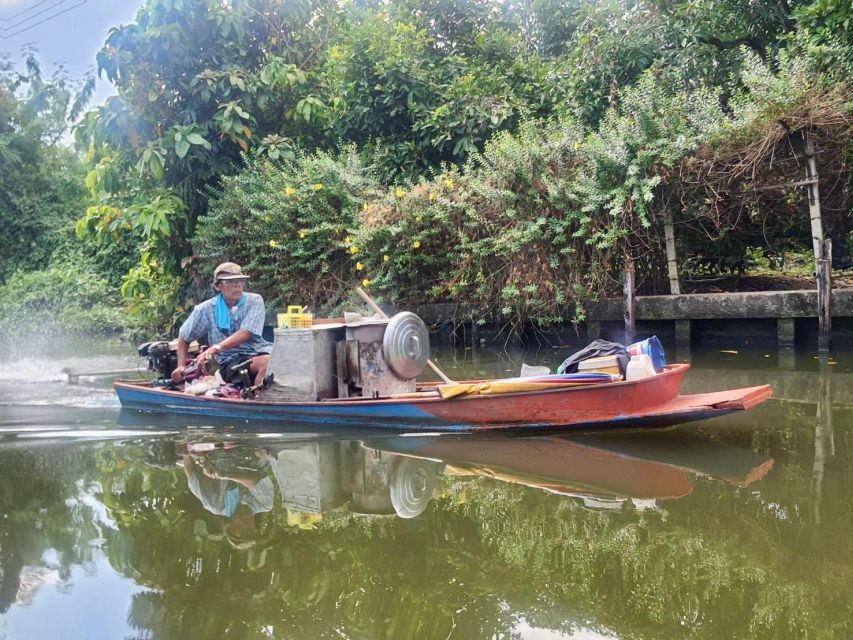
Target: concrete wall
[723,306]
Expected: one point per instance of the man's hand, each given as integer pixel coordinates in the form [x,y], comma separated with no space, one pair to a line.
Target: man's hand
[206,355]
[178,375]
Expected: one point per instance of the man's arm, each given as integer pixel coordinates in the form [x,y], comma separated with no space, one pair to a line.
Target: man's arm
[183,348]
[191,328]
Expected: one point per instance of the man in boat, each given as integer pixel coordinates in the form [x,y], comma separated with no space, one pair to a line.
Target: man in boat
[233,322]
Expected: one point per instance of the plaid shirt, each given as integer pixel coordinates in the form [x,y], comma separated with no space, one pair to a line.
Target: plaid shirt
[249,316]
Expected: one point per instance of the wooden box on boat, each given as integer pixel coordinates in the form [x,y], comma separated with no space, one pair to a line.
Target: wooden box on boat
[601,364]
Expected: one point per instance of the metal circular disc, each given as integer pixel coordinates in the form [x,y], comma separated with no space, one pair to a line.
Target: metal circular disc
[405,345]
[411,485]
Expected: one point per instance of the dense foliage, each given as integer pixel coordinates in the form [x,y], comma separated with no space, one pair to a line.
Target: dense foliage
[48,282]
[66,296]
[570,130]
[565,129]
[41,189]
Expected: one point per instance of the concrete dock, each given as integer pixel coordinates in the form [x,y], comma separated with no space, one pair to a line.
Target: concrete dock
[783,313]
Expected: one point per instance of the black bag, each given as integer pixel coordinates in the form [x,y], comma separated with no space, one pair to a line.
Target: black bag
[595,349]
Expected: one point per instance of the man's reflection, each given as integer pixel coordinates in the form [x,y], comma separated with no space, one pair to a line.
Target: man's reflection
[233,482]
[307,479]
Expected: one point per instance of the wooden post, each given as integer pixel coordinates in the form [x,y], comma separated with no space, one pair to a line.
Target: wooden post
[628,298]
[822,250]
[813,183]
[671,259]
[824,296]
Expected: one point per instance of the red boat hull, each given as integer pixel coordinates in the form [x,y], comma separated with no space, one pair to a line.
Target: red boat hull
[650,402]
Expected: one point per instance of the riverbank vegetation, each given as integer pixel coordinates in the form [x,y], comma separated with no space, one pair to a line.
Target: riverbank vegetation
[508,154]
[49,281]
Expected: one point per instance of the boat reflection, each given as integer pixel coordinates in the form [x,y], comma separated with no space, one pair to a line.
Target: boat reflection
[398,476]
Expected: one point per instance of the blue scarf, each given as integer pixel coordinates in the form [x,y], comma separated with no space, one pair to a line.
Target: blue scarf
[223,314]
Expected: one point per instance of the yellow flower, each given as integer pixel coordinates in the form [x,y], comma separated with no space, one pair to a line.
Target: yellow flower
[302,234]
[317,186]
[432,197]
[365,283]
[399,192]
[347,240]
[448,183]
[416,244]
[418,218]
[364,207]
[273,244]
[386,258]
[267,218]
[577,145]
[289,191]
[359,266]
[353,250]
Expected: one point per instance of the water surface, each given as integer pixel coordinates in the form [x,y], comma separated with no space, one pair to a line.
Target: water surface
[117,525]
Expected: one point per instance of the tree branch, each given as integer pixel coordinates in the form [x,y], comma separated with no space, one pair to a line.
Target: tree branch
[756,44]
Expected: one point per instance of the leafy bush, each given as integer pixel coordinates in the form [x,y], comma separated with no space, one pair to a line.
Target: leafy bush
[507,234]
[533,227]
[287,224]
[728,202]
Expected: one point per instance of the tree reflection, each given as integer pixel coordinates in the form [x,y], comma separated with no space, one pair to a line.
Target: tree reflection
[40,510]
[499,534]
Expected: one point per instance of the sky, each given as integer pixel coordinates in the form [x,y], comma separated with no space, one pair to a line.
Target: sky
[68,32]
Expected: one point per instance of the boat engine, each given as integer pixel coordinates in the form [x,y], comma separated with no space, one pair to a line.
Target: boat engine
[163,360]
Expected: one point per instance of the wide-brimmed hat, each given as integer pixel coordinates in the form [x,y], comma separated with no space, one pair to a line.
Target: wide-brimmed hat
[229,271]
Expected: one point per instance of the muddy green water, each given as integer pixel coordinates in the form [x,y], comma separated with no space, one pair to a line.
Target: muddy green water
[116,525]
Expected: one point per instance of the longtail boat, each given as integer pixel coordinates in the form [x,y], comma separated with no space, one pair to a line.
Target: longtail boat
[549,402]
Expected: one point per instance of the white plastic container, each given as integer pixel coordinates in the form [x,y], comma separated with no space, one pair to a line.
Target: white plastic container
[639,367]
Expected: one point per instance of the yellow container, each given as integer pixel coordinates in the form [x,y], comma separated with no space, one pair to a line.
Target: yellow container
[602,364]
[303,519]
[295,318]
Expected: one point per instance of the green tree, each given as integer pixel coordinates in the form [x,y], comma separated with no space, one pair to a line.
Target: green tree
[41,191]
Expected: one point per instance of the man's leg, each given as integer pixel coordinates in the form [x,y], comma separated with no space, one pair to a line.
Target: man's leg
[259,366]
